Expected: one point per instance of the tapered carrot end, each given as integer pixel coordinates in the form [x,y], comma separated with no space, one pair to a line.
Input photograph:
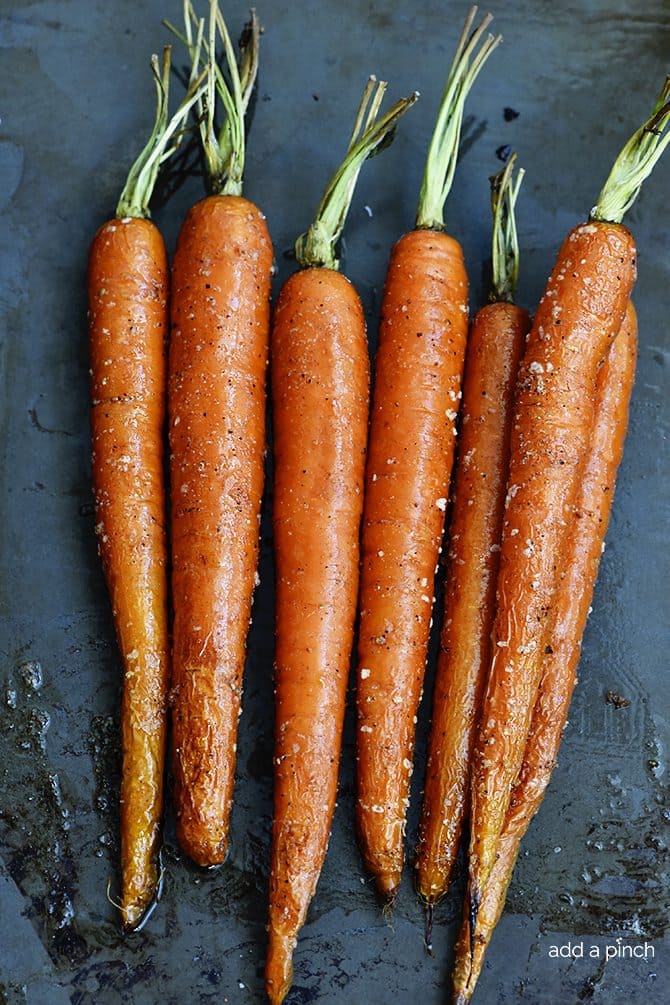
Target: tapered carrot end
[388,884]
[141,890]
[203,849]
[135,914]
[279,966]
[460,998]
[130,917]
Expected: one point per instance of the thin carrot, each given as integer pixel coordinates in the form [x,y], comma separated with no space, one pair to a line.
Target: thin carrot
[587,528]
[581,311]
[217,369]
[495,347]
[127,293]
[419,366]
[320,396]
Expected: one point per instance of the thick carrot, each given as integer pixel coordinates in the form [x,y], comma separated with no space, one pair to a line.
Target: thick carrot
[581,311]
[587,527]
[127,292]
[216,396]
[419,366]
[320,397]
[495,347]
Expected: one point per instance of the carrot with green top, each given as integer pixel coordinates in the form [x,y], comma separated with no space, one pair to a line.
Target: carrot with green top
[127,295]
[320,398]
[581,311]
[495,346]
[220,315]
[419,366]
[587,527]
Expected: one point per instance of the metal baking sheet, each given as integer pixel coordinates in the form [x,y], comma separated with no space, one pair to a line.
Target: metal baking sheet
[76,100]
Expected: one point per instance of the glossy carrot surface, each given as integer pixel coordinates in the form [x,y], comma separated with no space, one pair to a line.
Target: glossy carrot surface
[418,373]
[218,358]
[128,320]
[587,527]
[419,366]
[495,346]
[320,392]
[320,389]
[127,288]
[578,316]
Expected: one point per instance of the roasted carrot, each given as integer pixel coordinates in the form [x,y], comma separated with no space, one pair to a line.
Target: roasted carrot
[419,365]
[587,526]
[216,399]
[320,398]
[495,347]
[581,311]
[127,294]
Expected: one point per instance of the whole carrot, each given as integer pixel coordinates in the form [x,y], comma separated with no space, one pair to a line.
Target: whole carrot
[581,311]
[495,347]
[127,294]
[320,397]
[419,365]
[587,526]
[217,370]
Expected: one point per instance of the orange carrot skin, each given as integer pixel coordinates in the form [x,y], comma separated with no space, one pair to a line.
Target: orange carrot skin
[588,526]
[582,309]
[320,392]
[495,347]
[419,367]
[217,371]
[127,289]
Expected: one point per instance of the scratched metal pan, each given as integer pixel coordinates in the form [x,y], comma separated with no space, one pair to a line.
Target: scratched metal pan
[76,99]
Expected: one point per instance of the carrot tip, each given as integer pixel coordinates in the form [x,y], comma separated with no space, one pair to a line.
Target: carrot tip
[388,884]
[428,930]
[279,966]
[204,851]
[136,913]
[275,997]
[389,904]
[136,916]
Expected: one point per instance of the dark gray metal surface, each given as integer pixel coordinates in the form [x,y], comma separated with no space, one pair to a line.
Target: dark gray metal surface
[76,103]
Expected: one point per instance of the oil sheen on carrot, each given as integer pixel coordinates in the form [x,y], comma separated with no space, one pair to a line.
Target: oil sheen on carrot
[218,360]
[128,284]
[495,346]
[320,391]
[419,365]
[578,316]
[587,528]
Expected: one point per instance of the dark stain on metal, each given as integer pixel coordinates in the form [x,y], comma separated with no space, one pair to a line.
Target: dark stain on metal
[32,412]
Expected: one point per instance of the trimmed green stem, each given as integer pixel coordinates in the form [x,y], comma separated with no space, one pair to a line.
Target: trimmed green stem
[224,151]
[164,140]
[249,46]
[505,243]
[134,199]
[635,163]
[443,151]
[316,247]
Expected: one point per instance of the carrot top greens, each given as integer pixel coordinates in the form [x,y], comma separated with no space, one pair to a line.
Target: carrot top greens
[635,163]
[224,149]
[139,187]
[316,247]
[505,245]
[443,151]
